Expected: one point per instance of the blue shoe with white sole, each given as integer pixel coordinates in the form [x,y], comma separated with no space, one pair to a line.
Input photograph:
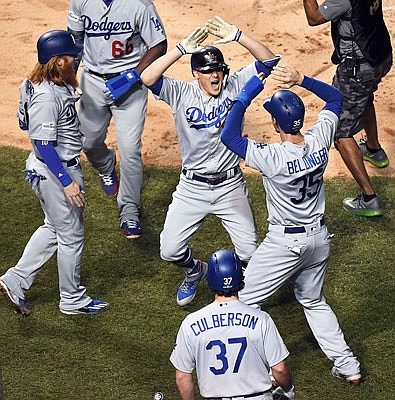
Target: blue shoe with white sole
[187,290]
[94,307]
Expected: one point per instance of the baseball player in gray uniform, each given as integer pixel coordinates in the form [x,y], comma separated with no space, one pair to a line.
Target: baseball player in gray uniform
[297,245]
[121,38]
[211,181]
[47,111]
[231,345]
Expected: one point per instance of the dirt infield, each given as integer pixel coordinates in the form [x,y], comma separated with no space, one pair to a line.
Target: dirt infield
[281,25]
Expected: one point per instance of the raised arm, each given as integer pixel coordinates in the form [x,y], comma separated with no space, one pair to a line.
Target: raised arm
[228,33]
[151,55]
[188,45]
[231,134]
[289,76]
[313,15]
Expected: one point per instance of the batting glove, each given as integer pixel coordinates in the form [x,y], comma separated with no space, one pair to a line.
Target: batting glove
[250,90]
[121,84]
[225,31]
[280,394]
[192,42]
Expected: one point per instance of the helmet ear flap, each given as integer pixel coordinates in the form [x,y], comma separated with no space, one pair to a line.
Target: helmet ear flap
[226,71]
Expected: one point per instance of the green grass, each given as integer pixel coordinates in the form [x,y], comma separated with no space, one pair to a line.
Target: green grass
[124,353]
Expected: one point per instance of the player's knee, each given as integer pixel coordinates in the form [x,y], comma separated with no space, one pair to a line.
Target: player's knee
[310,301]
[245,253]
[90,144]
[169,251]
[177,254]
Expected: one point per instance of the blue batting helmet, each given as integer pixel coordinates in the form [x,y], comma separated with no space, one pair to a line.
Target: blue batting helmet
[56,43]
[287,109]
[224,271]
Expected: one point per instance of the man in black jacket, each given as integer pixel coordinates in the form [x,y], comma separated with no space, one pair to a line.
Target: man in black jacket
[363,54]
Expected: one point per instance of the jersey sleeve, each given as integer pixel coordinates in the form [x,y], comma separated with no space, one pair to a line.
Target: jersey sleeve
[332,10]
[150,26]
[262,157]
[172,92]
[182,355]
[275,349]
[237,80]
[43,117]
[325,127]
[74,21]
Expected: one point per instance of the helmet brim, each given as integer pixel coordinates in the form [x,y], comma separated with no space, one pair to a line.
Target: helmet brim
[268,106]
[73,52]
[212,67]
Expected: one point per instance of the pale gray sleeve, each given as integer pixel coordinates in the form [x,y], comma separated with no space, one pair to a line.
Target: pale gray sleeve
[325,126]
[173,91]
[332,10]
[43,117]
[275,349]
[74,21]
[237,80]
[182,355]
[151,27]
[261,157]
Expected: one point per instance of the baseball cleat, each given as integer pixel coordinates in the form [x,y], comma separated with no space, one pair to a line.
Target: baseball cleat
[131,229]
[359,206]
[187,290]
[19,305]
[94,307]
[379,158]
[354,378]
[110,183]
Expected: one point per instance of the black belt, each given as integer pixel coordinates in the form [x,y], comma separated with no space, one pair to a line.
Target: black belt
[300,229]
[214,179]
[106,77]
[71,163]
[245,396]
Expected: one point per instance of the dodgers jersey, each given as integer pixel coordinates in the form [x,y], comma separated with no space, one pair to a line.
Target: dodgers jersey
[199,120]
[293,174]
[232,346]
[116,36]
[52,117]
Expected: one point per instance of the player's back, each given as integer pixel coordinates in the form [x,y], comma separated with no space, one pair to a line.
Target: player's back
[228,342]
[293,173]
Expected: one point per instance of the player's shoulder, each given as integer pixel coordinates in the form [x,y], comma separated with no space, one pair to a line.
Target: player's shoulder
[81,3]
[185,87]
[327,117]
[45,89]
[328,114]
[198,314]
[143,3]
[253,310]
[244,72]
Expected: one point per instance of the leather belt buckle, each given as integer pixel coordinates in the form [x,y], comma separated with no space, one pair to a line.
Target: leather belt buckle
[212,180]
